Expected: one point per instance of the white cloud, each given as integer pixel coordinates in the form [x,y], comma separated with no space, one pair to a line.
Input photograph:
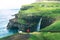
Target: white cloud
[9,4]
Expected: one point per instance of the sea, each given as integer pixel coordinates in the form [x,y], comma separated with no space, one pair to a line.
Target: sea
[5,16]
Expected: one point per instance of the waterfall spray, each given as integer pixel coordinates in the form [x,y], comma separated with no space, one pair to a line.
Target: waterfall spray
[39,25]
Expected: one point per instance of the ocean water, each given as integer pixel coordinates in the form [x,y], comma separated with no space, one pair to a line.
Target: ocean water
[5,16]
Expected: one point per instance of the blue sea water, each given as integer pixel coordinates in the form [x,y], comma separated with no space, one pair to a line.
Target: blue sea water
[5,16]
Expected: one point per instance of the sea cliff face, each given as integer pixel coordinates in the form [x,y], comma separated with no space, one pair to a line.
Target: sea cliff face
[28,17]
[13,24]
[31,23]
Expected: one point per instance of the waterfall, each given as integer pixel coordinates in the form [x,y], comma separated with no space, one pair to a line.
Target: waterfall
[39,25]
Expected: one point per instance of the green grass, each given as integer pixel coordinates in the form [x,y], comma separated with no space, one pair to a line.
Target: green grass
[45,36]
[39,9]
[53,27]
[41,36]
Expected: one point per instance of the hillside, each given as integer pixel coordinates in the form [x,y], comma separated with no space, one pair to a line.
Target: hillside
[29,16]
[49,12]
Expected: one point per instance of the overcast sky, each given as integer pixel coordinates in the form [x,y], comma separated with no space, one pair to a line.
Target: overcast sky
[13,4]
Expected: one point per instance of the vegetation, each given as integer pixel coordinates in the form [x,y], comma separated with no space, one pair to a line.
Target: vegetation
[34,36]
[29,13]
[45,36]
[53,27]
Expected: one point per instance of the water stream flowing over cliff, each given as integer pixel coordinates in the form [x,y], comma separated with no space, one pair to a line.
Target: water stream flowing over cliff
[39,24]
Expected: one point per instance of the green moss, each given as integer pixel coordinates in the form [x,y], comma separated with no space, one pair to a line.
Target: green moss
[21,21]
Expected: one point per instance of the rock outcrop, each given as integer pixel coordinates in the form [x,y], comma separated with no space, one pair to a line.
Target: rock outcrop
[31,23]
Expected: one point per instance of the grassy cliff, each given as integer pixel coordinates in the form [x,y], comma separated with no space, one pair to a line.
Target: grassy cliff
[49,12]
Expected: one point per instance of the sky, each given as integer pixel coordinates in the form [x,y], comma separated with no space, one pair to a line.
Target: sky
[13,4]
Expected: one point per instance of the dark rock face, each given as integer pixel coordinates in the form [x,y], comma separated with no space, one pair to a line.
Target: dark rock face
[26,7]
[46,21]
[14,25]
[31,24]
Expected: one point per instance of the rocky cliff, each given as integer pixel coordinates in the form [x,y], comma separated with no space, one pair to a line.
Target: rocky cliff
[31,23]
[29,15]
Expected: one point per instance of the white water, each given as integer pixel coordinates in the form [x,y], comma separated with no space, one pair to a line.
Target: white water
[39,25]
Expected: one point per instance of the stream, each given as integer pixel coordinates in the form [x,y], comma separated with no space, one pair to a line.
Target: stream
[39,24]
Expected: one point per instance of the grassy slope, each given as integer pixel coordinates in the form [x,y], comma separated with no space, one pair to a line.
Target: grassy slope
[45,36]
[53,27]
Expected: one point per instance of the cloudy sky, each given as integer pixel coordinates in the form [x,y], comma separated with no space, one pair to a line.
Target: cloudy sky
[13,4]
